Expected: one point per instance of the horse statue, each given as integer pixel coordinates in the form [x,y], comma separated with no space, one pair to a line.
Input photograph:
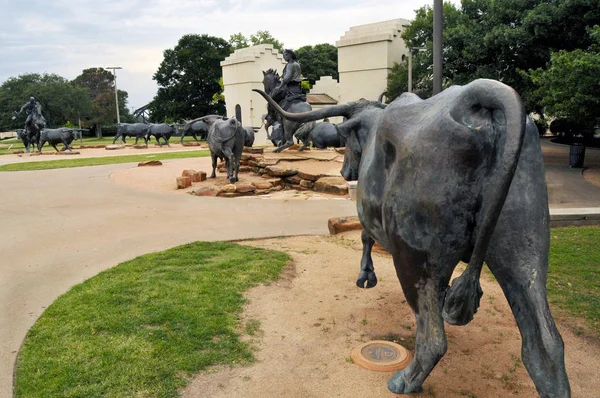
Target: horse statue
[271,79]
[34,124]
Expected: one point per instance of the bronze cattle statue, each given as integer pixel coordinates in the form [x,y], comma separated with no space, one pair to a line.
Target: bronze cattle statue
[458,176]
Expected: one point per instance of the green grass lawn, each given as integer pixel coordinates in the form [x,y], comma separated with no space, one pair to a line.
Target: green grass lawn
[144,327]
[17,145]
[574,275]
[80,162]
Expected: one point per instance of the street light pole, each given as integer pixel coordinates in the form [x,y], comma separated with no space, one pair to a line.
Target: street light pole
[410,51]
[116,95]
[438,19]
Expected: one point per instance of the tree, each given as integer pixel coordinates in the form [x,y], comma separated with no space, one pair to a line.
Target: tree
[99,86]
[317,61]
[188,78]
[503,39]
[569,87]
[238,40]
[61,101]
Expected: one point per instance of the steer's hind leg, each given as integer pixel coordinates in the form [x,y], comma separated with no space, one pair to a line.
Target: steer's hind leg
[213,156]
[366,277]
[519,263]
[424,286]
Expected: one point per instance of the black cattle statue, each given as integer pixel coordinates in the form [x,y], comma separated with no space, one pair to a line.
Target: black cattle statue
[249,136]
[325,135]
[226,141]
[458,176]
[54,137]
[137,130]
[162,130]
[197,128]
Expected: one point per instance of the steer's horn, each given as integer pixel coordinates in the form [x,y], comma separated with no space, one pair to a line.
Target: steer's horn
[330,111]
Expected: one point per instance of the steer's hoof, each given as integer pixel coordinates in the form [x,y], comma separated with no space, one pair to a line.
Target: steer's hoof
[398,385]
[366,280]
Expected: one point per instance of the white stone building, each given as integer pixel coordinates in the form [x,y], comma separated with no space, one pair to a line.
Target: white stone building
[366,55]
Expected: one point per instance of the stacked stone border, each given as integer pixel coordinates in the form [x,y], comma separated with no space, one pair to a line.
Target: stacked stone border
[276,178]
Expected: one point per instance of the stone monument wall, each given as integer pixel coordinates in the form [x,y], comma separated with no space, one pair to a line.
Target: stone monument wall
[366,55]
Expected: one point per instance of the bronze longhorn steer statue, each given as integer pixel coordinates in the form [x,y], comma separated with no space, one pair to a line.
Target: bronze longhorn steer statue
[458,176]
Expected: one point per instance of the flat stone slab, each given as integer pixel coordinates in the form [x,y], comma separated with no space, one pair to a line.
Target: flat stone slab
[150,163]
[113,147]
[343,224]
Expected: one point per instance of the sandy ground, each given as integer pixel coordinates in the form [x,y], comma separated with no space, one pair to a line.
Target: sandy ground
[314,315]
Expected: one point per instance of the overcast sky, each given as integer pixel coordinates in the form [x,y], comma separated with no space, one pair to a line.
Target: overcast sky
[67,36]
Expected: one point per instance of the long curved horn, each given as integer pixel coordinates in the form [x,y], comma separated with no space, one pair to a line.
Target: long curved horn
[330,111]
[380,99]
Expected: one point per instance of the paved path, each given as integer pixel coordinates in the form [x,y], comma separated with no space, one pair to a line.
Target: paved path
[79,223]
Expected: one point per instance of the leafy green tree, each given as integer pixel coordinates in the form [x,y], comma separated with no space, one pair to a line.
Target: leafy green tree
[188,78]
[503,39]
[317,61]
[238,40]
[99,86]
[569,87]
[61,100]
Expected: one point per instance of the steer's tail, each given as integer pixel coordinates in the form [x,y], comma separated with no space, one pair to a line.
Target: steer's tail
[508,120]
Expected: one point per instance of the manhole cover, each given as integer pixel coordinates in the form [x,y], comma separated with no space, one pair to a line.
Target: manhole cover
[381,356]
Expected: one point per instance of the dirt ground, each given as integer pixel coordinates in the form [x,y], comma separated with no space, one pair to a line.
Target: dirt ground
[314,315]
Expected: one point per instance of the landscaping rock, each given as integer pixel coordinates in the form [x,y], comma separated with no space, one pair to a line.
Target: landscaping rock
[199,176]
[252,150]
[113,147]
[150,163]
[277,171]
[229,188]
[262,184]
[184,182]
[188,173]
[342,224]
[191,143]
[140,146]
[307,184]
[204,192]
[244,188]
[293,180]
[331,185]
[308,176]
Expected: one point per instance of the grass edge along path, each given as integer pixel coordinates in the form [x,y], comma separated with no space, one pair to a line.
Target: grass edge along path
[144,327]
[574,277]
[100,161]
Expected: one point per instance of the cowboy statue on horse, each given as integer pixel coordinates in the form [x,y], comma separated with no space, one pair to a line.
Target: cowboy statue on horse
[287,91]
[34,123]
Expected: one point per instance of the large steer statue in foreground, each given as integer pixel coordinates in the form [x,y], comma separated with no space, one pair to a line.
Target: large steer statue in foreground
[456,177]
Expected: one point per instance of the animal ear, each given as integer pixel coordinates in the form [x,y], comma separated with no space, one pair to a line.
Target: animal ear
[344,129]
[264,74]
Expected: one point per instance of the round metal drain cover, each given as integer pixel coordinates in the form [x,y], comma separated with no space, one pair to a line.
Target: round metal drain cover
[381,356]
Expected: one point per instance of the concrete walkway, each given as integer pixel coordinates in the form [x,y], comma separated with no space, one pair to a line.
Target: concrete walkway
[79,223]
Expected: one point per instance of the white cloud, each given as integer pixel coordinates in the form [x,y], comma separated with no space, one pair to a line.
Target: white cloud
[67,36]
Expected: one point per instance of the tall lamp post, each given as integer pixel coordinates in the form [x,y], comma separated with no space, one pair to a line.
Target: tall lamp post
[438,20]
[410,51]
[116,95]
